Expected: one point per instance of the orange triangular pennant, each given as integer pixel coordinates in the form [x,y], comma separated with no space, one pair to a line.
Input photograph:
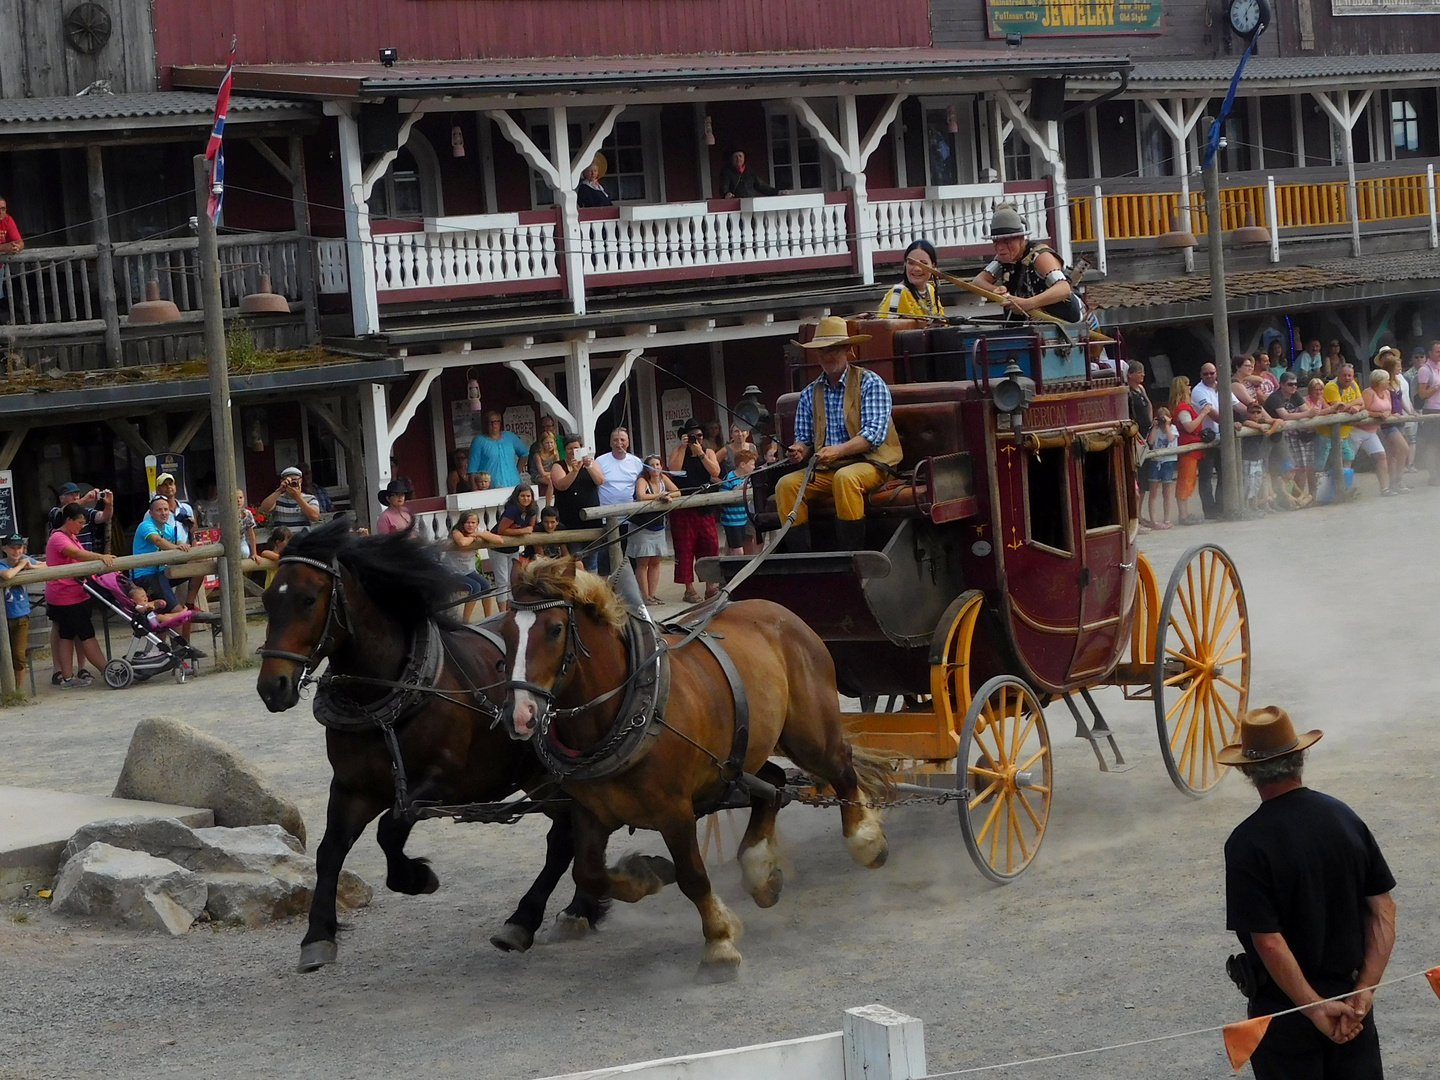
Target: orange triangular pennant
[1434,976]
[1241,1039]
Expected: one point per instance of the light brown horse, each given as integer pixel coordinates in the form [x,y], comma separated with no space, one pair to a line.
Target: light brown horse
[565,653]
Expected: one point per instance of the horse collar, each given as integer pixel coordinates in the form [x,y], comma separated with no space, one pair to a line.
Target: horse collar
[421,672]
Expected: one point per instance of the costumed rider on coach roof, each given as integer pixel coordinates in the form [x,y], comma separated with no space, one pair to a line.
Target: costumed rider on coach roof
[916,296]
[1030,275]
[843,417]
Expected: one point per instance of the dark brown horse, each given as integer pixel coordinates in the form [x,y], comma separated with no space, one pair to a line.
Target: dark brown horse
[566,651]
[363,601]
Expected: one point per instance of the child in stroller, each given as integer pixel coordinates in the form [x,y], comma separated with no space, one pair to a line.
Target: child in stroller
[156,644]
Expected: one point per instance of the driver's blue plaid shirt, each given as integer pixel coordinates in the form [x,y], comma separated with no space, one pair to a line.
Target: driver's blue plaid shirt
[874,409]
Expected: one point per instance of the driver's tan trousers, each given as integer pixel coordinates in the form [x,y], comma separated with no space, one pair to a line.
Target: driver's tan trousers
[847,487]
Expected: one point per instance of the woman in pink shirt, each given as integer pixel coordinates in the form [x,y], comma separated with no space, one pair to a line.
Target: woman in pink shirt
[68,603]
[395,518]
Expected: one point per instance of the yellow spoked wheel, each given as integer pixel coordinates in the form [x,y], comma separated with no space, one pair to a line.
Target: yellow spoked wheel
[951,682]
[1201,681]
[1005,778]
[1147,604]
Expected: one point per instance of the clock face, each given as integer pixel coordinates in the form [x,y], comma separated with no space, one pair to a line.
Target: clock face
[1245,16]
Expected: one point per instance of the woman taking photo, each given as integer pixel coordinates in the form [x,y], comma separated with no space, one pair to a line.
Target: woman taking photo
[465,539]
[916,296]
[517,519]
[647,541]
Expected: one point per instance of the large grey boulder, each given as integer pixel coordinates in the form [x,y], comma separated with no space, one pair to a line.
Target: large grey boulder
[170,761]
[261,849]
[129,888]
[254,899]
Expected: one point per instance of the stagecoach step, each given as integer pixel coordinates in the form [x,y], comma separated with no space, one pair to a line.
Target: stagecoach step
[1096,733]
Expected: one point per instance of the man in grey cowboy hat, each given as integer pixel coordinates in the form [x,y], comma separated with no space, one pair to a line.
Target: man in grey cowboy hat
[1308,894]
[843,418]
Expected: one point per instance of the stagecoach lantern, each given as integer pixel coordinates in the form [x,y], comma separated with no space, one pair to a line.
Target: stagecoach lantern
[1012,395]
[472,391]
[751,411]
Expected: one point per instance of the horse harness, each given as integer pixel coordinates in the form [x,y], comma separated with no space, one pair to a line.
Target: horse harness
[424,661]
[641,716]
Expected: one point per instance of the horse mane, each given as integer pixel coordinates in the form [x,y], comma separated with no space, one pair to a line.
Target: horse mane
[551,579]
[402,577]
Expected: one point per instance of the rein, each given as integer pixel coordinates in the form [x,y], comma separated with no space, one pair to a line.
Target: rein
[335,605]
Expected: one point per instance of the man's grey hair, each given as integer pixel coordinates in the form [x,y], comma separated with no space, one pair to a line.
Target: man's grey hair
[616,431]
[1276,770]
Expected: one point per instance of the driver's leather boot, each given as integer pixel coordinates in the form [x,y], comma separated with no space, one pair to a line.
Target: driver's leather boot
[797,540]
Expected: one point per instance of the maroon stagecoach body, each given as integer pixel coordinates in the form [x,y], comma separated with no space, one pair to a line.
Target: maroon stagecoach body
[1001,571]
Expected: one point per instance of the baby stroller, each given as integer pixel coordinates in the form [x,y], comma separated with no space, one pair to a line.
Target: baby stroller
[156,645]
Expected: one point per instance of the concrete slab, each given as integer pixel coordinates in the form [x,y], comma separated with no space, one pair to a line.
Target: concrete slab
[35,825]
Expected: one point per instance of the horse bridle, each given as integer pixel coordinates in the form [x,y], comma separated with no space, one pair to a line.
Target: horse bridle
[574,648]
[335,617]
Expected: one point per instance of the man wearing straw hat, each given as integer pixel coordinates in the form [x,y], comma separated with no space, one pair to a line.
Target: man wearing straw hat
[843,418]
[1307,892]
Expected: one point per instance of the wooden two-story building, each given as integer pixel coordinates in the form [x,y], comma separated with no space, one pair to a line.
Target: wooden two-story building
[413,168]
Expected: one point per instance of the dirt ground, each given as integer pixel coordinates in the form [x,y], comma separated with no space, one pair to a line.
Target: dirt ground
[1115,933]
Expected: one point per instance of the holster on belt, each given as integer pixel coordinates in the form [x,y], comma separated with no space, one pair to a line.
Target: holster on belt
[1246,974]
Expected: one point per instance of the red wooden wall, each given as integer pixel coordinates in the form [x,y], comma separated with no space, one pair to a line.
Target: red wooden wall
[283,31]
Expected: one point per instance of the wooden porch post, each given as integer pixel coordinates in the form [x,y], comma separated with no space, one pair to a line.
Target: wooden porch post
[305,253]
[104,255]
[364,299]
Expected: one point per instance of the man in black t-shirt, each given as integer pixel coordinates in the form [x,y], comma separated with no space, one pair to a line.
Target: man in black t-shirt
[1307,892]
[98,505]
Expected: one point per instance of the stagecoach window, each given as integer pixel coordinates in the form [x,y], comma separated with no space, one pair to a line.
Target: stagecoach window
[1046,506]
[1102,507]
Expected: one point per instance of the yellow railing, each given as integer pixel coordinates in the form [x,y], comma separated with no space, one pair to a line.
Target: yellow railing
[1138,215]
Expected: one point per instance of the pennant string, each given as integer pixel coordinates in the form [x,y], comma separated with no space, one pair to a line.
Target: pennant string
[1434,979]
[1213,144]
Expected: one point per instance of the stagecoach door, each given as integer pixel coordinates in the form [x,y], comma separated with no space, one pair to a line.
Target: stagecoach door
[1109,503]
[1039,539]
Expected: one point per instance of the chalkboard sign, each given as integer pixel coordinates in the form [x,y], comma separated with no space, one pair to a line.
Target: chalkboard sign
[7,503]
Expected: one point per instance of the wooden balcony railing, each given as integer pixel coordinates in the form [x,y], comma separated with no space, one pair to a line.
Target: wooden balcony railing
[1298,204]
[51,290]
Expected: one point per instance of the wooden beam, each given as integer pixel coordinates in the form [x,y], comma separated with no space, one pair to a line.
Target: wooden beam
[12,445]
[322,413]
[104,256]
[397,424]
[274,159]
[592,145]
[305,250]
[541,393]
[189,431]
[130,435]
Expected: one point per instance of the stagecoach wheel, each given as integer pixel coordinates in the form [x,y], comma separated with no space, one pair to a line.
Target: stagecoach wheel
[119,674]
[1201,680]
[950,680]
[1005,777]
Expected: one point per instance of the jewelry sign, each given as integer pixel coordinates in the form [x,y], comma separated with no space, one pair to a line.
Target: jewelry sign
[1385,7]
[1073,18]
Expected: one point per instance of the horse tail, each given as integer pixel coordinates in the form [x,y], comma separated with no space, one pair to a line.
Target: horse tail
[875,773]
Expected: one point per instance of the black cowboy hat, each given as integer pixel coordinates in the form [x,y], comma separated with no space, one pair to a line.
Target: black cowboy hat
[398,486]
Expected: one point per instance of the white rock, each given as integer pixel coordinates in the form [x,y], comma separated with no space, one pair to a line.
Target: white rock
[255,849]
[129,888]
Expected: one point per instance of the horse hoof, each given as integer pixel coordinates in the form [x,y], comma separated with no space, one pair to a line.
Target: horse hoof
[768,894]
[570,927]
[880,859]
[419,881]
[867,845]
[711,972]
[656,870]
[512,938]
[315,955]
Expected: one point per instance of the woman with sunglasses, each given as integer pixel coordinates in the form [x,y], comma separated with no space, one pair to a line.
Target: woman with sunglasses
[647,540]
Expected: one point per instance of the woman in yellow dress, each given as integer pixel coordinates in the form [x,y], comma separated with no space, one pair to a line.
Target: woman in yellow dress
[916,295]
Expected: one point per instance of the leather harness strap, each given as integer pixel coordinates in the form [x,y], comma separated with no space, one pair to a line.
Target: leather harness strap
[733,770]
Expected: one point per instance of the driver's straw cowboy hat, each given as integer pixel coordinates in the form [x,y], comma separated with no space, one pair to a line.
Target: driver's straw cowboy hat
[1264,734]
[1006,222]
[832,331]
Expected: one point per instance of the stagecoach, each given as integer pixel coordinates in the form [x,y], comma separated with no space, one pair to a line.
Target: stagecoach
[1001,573]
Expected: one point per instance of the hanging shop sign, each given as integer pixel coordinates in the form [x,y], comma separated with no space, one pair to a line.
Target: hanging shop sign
[1074,18]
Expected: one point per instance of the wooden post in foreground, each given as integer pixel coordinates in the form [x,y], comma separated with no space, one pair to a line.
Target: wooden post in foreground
[882,1044]
[222,432]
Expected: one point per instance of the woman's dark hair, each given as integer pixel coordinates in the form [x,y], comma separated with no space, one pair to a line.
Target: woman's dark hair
[72,511]
[929,249]
[278,535]
[513,502]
